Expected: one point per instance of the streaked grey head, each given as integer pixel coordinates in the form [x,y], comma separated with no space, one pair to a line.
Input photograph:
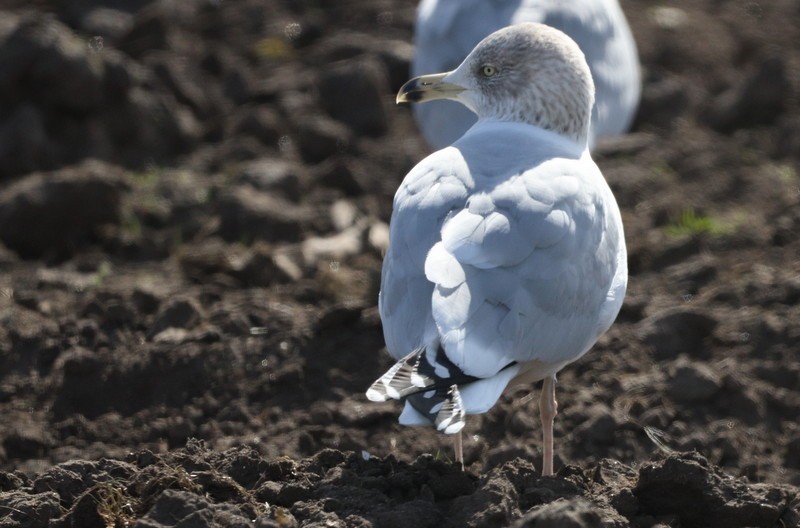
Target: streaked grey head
[529,73]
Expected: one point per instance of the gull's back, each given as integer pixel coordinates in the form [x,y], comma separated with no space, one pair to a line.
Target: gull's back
[447,30]
[506,247]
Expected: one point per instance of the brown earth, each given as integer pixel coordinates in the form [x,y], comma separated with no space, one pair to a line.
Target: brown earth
[193,208]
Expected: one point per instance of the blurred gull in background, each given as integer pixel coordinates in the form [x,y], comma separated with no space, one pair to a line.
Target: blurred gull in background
[507,257]
[447,30]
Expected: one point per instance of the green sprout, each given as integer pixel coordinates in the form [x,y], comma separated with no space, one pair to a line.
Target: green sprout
[690,223]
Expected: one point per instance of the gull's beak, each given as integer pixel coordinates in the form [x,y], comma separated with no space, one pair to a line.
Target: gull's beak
[427,88]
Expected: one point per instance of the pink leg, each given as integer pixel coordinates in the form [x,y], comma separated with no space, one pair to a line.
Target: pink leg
[548,409]
[458,447]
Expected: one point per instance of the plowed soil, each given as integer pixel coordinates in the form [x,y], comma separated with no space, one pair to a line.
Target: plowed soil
[193,207]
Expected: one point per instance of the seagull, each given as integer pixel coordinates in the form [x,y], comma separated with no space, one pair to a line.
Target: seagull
[446,30]
[507,256]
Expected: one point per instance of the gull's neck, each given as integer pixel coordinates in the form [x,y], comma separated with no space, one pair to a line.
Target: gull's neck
[499,126]
[576,138]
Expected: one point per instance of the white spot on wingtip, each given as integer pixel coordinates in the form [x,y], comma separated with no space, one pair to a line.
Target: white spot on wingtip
[375,395]
[454,428]
[444,423]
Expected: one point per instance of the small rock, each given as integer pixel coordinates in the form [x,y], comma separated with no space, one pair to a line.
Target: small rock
[273,174]
[792,457]
[563,513]
[499,455]
[343,214]
[279,517]
[623,146]
[264,267]
[625,502]
[90,333]
[759,99]
[146,299]
[417,512]
[685,485]
[293,492]
[677,330]
[248,213]
[152,122]
[339,46]
[690,382]
[288,265]
[318,139]
[184,81]
[244,465]
[664,99]
[177,313]
[24,142]
[339,174]
[286,77]
[522,423]
[668,17]
[666,252]
[340,315]
[451,483]
[151,30]
[182,508]
[600,426]
[200,261]
[111,24]
[65,279]
[172,336]
[237,85]
[240,148]
[121,74]
[378,237]
[693,274]
[30,333]
[352,91]
[633,308]
[296,104]
[81,372]
[109,308]
[494,503]
[88,195]
[8,24]
[23,509]
[336,247]
[45,61]
[268,492]
[10,481]
[260,122]
[396,56]
[27,440]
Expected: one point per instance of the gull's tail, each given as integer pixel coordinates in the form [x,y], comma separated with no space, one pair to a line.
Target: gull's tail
[401,380]
[435,396]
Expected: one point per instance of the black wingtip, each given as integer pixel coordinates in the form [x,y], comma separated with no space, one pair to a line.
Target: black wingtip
[451,417]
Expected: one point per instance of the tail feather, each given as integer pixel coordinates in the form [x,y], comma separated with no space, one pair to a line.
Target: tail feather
[401,380]
[450,418]
[429,382]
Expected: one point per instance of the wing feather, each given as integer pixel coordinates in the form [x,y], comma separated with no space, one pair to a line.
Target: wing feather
[502,267]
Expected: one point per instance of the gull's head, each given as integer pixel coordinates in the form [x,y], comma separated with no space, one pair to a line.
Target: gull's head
[528,73]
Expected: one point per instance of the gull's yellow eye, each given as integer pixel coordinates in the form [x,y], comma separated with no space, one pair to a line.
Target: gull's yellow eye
[488,70]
